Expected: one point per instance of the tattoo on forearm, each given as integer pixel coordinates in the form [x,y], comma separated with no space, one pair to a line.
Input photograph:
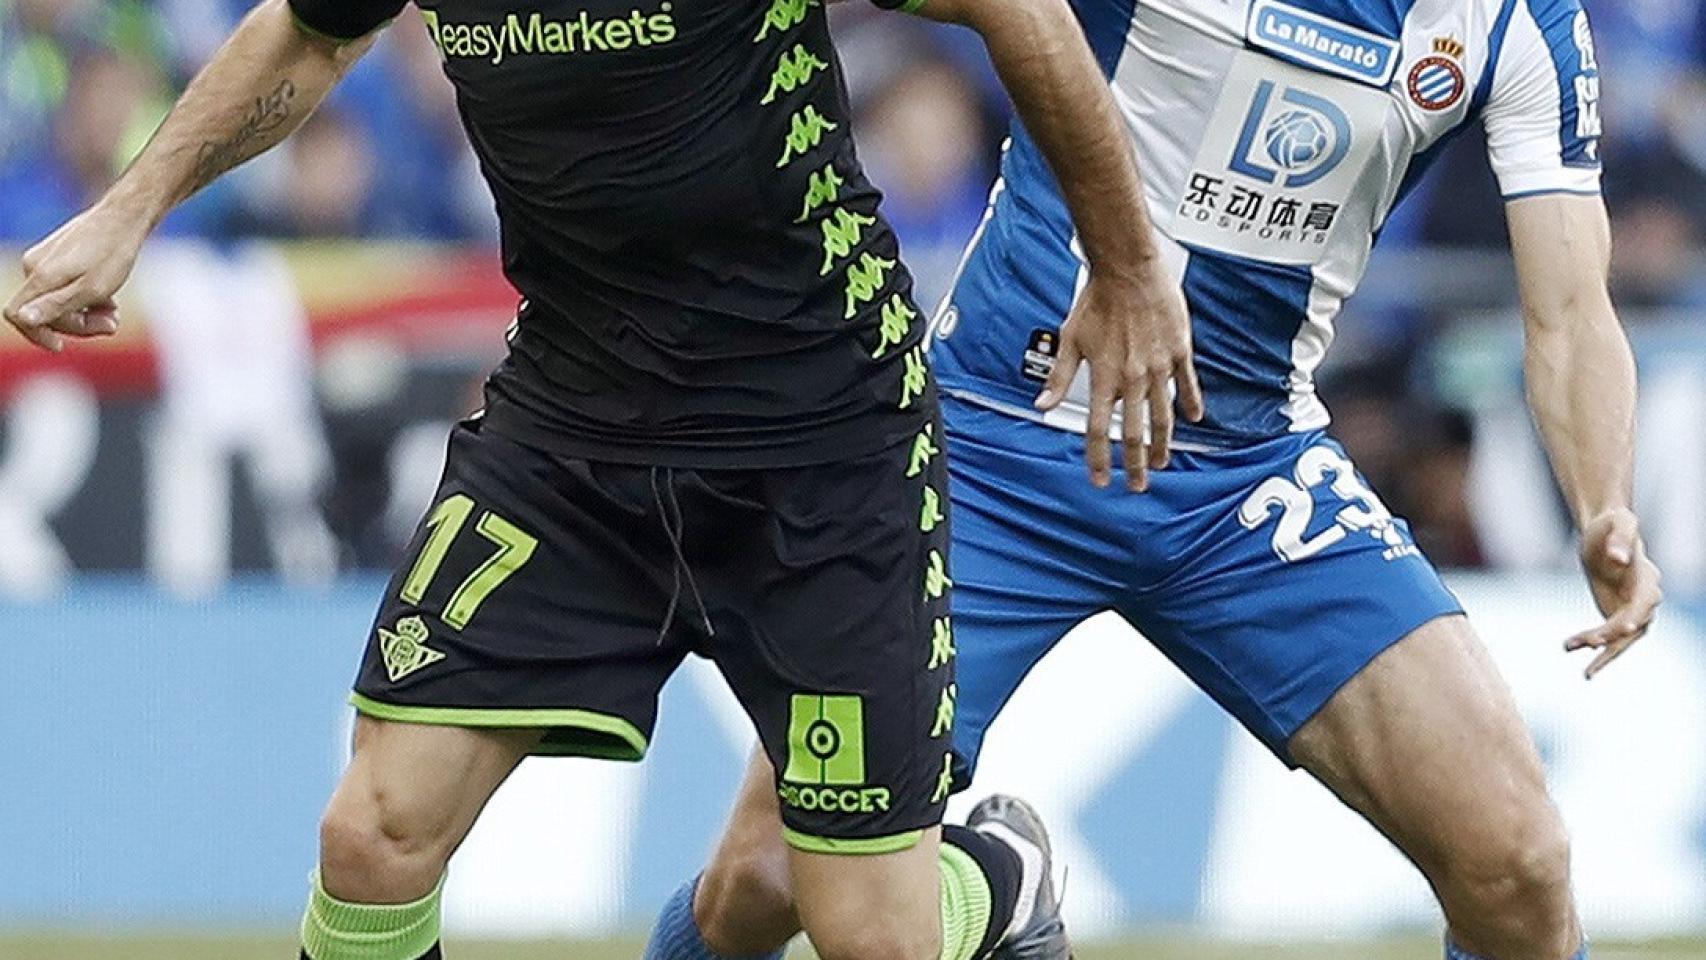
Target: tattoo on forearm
[267,115]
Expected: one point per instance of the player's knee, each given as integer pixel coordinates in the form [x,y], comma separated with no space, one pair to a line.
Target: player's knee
[741,898]
[1530,854]
[1520,883]
[372,851]
[866,938]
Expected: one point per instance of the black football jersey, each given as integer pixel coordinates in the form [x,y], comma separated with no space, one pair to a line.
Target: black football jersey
[707,280]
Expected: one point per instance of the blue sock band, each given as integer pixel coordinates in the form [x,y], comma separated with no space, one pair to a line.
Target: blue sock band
[677,937]
[1452,952]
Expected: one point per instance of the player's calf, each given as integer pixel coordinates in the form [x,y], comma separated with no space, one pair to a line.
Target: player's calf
[747,910]
[680,934]
[743,905]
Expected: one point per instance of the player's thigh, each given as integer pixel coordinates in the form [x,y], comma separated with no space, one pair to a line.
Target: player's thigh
[885,906]
[1427,742]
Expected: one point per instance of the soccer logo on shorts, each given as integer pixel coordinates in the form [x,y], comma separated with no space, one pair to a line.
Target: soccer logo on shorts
[1437,82]
[826,740]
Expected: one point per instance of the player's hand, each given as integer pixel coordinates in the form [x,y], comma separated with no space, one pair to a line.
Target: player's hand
[70,278]
[1625,585]
[1136,337]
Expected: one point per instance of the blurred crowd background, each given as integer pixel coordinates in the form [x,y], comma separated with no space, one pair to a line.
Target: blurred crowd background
[83,82]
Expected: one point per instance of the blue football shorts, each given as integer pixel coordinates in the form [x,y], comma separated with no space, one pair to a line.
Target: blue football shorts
[1270,574]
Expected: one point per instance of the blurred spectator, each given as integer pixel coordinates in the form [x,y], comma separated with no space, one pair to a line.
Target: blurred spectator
[434,187]
[84,82]
[40,39]
[34,74]
[1367,404]
[924,142]
[1414,454]
[237,392]
[1655,260]
[113,97]
[1644,47]
[1434,489]
[325,187]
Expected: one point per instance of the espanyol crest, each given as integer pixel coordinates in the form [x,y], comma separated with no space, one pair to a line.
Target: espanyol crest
[1437,82]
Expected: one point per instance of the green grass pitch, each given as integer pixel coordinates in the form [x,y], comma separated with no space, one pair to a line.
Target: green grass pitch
[78,947]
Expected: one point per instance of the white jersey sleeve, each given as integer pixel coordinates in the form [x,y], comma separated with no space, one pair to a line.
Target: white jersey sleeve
[1542,114]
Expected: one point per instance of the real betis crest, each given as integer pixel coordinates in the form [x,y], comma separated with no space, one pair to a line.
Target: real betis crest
[405,650]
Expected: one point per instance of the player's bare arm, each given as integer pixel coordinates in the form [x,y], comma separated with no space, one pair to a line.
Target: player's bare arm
[267,79]
[1581,387]
[1131,325]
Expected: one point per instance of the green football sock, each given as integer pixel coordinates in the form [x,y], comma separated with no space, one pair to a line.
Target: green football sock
[966,904]
[981,877]
[334,930]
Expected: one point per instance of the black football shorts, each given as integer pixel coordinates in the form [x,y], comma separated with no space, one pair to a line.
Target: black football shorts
[560,594]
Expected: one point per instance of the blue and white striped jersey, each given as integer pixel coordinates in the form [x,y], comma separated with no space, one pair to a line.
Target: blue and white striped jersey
[1275,137]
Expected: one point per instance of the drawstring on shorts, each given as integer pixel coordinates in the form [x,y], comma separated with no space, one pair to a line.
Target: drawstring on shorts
[674,527]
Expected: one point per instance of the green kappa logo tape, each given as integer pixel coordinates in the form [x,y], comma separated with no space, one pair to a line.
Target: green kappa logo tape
[826,740]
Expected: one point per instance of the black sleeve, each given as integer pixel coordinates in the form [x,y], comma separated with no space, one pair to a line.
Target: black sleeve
[345,19]
[908,6]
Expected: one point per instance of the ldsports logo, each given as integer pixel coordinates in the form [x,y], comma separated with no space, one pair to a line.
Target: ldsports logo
[1279,160]
[1293,143]
[534,35]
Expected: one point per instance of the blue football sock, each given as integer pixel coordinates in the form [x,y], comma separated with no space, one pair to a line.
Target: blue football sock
[1452,952]
[676,936]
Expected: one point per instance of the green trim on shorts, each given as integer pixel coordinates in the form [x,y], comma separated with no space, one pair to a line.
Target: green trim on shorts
[569,733]
[866,847]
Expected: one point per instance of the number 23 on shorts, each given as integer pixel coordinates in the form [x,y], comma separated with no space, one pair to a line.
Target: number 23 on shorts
[515,548]
[1294,502]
